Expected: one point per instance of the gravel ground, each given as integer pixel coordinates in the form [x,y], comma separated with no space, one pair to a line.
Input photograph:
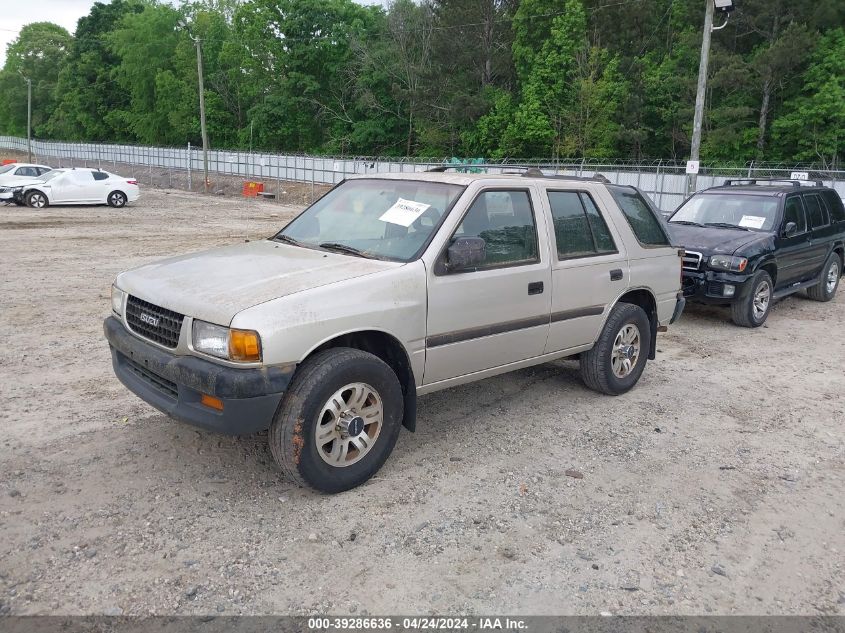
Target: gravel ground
[716,486]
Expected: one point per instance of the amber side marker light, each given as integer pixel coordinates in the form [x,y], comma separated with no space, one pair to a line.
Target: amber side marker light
[244,345]
[211,401]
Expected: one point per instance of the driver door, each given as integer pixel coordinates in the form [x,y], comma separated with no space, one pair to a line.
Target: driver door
[497,312]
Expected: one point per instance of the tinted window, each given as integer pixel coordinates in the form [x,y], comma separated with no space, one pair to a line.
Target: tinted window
[579,228]
[793,211]
[26,171]
[100,175]
[834,205]
[505,221]
[816,211]
[640,216]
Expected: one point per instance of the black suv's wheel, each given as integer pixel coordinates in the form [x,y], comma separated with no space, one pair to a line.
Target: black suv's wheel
[753,309]
[339,420]
[826,288]
[617,360]
[117,199]
[36,200]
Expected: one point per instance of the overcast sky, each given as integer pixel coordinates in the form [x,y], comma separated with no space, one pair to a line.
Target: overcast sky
[14,14]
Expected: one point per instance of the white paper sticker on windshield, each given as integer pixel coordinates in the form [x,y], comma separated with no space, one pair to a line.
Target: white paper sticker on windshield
[404,212]
[752,221]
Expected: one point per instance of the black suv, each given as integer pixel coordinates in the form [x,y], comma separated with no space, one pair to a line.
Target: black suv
[749,242]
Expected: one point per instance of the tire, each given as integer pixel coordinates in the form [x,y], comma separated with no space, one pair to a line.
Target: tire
[753,309]
[603,367]
[116,199]
[37,200]
[314,398]
[825,290]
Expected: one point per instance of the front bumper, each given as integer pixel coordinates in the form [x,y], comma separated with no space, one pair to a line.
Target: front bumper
[707,286]
[175,384]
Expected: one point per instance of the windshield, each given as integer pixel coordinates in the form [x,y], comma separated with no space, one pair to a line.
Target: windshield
[755,213]
[383,219]
[5,169]
[51,174]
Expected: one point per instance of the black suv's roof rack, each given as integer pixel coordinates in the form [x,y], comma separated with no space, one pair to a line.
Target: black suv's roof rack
[733,182]
[527,172]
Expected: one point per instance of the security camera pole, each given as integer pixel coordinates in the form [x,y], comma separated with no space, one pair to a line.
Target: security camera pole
[724,6]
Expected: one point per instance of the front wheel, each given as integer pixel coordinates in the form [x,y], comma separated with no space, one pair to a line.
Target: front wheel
[826,288]
[36,200]
[617,360]
[117,199]
[338,421]
[753,309]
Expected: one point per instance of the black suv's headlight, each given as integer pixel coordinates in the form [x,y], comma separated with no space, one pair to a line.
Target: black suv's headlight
[728,262]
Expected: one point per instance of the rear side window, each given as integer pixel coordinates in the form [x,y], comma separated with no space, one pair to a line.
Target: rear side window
[43,170]
[793,211]
[643,222]
[816,211]
[834,205]
[580,231]
[99,175]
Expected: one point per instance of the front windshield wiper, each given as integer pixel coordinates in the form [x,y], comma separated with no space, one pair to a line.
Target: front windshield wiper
[343,248]
[726,225]
[686,222]
[287,239]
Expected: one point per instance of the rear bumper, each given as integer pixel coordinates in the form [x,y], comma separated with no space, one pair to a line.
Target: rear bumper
[175,384]
[680,302]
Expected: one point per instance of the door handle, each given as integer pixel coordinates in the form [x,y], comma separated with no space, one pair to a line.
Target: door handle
[616,274]
[535,288]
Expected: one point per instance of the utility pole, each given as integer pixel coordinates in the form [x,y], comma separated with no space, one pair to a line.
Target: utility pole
[28,118]
[203,129]
[701,92]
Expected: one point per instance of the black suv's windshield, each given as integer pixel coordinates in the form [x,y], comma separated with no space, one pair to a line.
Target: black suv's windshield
[383,219]
[726,210]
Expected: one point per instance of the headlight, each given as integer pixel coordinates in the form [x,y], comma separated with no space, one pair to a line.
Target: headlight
[17,189]
[117,296]
[726,262]
[5,189]
[223,342]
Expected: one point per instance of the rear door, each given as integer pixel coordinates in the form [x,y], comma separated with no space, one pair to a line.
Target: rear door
[794,253]
[497,313]
[589,267]
[821,233]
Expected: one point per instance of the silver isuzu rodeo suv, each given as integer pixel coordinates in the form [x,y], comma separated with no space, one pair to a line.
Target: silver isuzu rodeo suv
[387,288]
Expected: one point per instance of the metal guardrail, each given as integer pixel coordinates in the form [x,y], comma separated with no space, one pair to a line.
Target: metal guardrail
[666,181]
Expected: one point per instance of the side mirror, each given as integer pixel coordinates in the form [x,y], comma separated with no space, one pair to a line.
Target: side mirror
[466,252]
[790,229]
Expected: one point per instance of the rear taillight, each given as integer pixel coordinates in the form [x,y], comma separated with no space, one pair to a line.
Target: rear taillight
[131,182]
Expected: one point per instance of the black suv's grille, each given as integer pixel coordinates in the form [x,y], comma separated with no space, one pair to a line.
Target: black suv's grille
[150,321]
[167,387]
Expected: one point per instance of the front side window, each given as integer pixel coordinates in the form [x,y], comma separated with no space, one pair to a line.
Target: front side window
[793,211]
[729,210]
[642,219]
[377,218]
[26,171]
[505,221]
[580,231]
[816,211]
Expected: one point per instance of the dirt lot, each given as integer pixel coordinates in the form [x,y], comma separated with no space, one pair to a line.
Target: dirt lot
[716,486]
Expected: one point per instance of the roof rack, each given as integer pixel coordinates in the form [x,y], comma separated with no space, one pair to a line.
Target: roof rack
[732,182]
[527,172]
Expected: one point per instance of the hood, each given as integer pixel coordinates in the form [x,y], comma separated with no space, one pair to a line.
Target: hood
[215,285]
[712,240]
[17,181]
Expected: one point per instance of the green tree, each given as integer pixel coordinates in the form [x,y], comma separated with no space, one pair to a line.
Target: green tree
[37,53]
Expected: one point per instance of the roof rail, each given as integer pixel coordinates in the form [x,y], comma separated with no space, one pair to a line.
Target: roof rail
[527,172]
[732,182]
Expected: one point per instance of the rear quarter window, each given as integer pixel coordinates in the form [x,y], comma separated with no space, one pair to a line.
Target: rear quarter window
[645,225]
[834,205]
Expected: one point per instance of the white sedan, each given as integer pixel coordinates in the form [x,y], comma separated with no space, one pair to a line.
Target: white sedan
[78,186]
[21,172]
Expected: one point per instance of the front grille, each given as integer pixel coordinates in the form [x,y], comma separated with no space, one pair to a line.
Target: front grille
[692,260]
[156,324]
[167,387]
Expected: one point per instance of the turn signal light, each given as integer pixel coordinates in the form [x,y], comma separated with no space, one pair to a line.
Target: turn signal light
[211,401]
[244,345]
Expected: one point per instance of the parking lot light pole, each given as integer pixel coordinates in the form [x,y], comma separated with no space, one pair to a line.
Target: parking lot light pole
[28,118]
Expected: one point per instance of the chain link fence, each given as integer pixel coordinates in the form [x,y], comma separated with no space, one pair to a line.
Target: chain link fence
[182,168]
